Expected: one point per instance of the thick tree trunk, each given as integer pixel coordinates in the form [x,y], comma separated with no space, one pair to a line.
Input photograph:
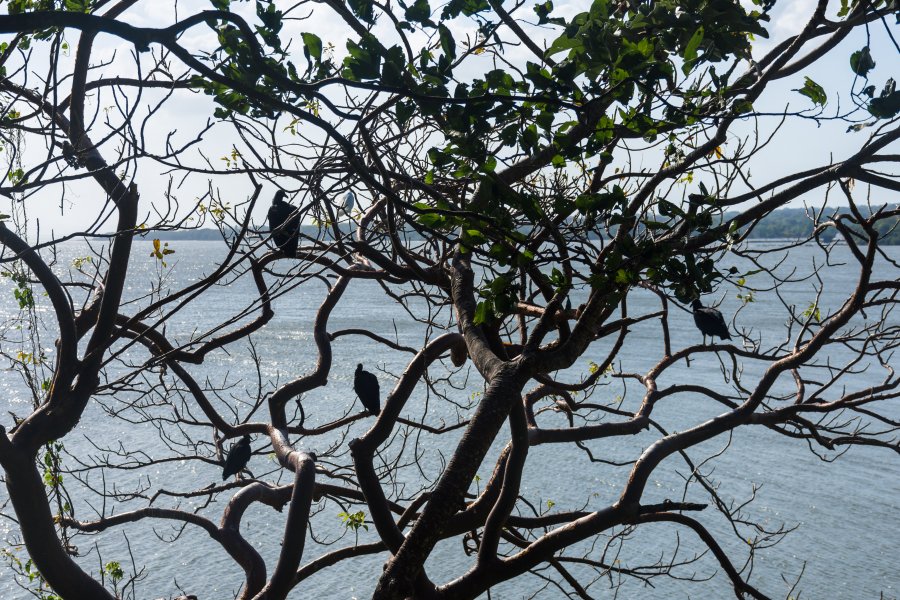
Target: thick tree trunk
[29,500]
[405,567]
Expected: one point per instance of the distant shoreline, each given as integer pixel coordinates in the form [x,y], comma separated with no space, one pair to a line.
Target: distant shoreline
[787,224]
[203,235]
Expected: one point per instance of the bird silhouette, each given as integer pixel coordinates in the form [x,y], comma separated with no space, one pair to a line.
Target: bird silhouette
[365,385]
[709,321]
[237,458]
[284,224]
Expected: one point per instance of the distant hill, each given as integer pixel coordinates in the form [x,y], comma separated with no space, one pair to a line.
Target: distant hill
[200,235]
[795,223]
[785,223]
[213,235]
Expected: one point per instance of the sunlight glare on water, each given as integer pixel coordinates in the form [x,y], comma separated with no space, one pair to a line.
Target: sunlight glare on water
[847,538]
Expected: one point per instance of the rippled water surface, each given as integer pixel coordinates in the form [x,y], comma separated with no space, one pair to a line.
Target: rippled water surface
[847,537]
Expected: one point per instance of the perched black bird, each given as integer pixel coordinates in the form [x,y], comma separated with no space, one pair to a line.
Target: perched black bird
[284,224]
[365,385]
[709,321]
[237,458]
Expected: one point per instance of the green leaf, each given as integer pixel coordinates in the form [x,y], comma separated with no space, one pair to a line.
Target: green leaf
[559,280]
[312,46]
[813,91]
[861,61]
[78,5]
[623,277]
[17,176]
[271,19]
[466,7]
[690,51]
[742,106]
[24,296]
[419,12]
[364,9]
[473,236]
[668,209]
[813,313]
[354,520]
[499,285]
[885,107]
[431,220]
[448,44]
[114,569]
[483,313]
[405,111]
[543,12]
[393,67]
[564,42]
[363,61]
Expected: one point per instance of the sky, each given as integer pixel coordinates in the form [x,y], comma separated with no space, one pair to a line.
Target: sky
[801,143]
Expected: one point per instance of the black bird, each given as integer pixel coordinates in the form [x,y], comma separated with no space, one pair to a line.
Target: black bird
[237,458]
[709,321]
[365,385]
[284,224]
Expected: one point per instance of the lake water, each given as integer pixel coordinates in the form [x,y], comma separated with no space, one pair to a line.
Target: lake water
[846,542]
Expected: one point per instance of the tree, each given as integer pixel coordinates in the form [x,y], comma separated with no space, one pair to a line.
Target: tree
[514,199]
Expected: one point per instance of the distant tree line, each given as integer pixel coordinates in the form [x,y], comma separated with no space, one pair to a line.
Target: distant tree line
[787,223]
[801,223]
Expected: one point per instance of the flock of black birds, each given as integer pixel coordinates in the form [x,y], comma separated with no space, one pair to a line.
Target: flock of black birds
[284,224]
